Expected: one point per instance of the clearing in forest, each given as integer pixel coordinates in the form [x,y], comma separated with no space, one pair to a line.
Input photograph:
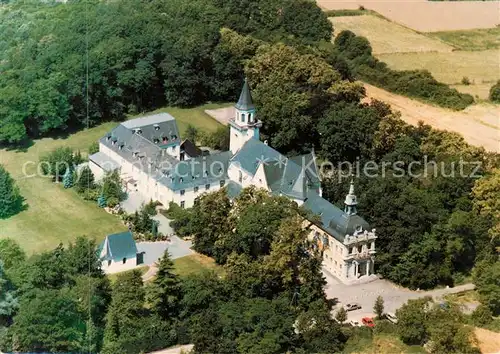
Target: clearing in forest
[450,68]
[388,37]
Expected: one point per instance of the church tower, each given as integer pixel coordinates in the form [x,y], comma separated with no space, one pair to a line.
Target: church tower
[351,201]
[244,126]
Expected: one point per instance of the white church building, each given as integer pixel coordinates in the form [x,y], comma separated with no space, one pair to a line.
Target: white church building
[154,161]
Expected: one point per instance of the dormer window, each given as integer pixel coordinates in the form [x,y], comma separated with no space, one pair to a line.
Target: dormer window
[138,131]
[113,142]
[108,138]
[120,146]
[181,179]
[156,140]
[135,153]
[174,137]
[157,127]
[165,140]
[205,173]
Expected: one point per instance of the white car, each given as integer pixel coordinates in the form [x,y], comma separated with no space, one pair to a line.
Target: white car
[391,317]
[355,323]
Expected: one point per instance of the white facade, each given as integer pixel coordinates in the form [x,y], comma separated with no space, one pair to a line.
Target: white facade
[346,257]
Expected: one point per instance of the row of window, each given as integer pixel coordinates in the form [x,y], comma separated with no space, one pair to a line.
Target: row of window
[360,249]
[196,189]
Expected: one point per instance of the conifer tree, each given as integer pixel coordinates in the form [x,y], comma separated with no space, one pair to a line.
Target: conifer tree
[165,293]
[68,178]
[85,179]
[8,301]
[101,201]
[378,307]
[341,315]
[10,199]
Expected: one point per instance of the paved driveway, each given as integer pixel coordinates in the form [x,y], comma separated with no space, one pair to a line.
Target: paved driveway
[365,294]
[155,250]
[133,202]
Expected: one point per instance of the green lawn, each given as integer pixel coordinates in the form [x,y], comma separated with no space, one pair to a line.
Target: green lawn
[476,39]
[195,263]
[143,270]
[57,215]
[380,344]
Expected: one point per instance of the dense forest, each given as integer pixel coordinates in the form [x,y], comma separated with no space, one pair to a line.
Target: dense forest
[132,56]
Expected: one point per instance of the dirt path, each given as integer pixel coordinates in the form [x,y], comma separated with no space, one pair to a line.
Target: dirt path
[489,342]
[478,124]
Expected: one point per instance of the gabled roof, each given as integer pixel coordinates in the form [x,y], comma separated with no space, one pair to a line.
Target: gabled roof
[334,220]
[190,148]
[245,102]
[252,153]
[287,176]
[118,246]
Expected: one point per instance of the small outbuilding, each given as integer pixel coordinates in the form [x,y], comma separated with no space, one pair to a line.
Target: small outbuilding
[118,252]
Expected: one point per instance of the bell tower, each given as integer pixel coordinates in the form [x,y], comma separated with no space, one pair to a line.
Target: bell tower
[244,125]
[351,201]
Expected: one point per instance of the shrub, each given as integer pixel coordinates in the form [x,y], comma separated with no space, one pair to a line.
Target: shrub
[385,327]
[90,194]
[465,81]
[482,316]
[495,92]
[112,202]
[57,161]
[419,84]
[218,140]
[93,148]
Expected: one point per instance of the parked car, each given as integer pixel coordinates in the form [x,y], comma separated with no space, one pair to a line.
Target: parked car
[368,322]
[355,323]
[391,317]
[352,306]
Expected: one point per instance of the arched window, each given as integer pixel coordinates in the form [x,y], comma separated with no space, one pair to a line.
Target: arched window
[124,260]
[240,176]
[243,117]
[249,117]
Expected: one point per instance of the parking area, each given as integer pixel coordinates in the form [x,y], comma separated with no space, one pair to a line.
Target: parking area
[154,250]
[366,294]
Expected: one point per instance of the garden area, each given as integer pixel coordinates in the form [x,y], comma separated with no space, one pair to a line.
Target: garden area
[54,214]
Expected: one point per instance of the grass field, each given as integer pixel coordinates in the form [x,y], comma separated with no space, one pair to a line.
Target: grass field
[195,263]
[477,39]
[57,215]
[388,37]
[381,344]
[479,67]
[143,270]
[478,91]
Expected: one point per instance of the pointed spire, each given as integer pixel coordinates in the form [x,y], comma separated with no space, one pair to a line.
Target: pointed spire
[351,201]
[245,102]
